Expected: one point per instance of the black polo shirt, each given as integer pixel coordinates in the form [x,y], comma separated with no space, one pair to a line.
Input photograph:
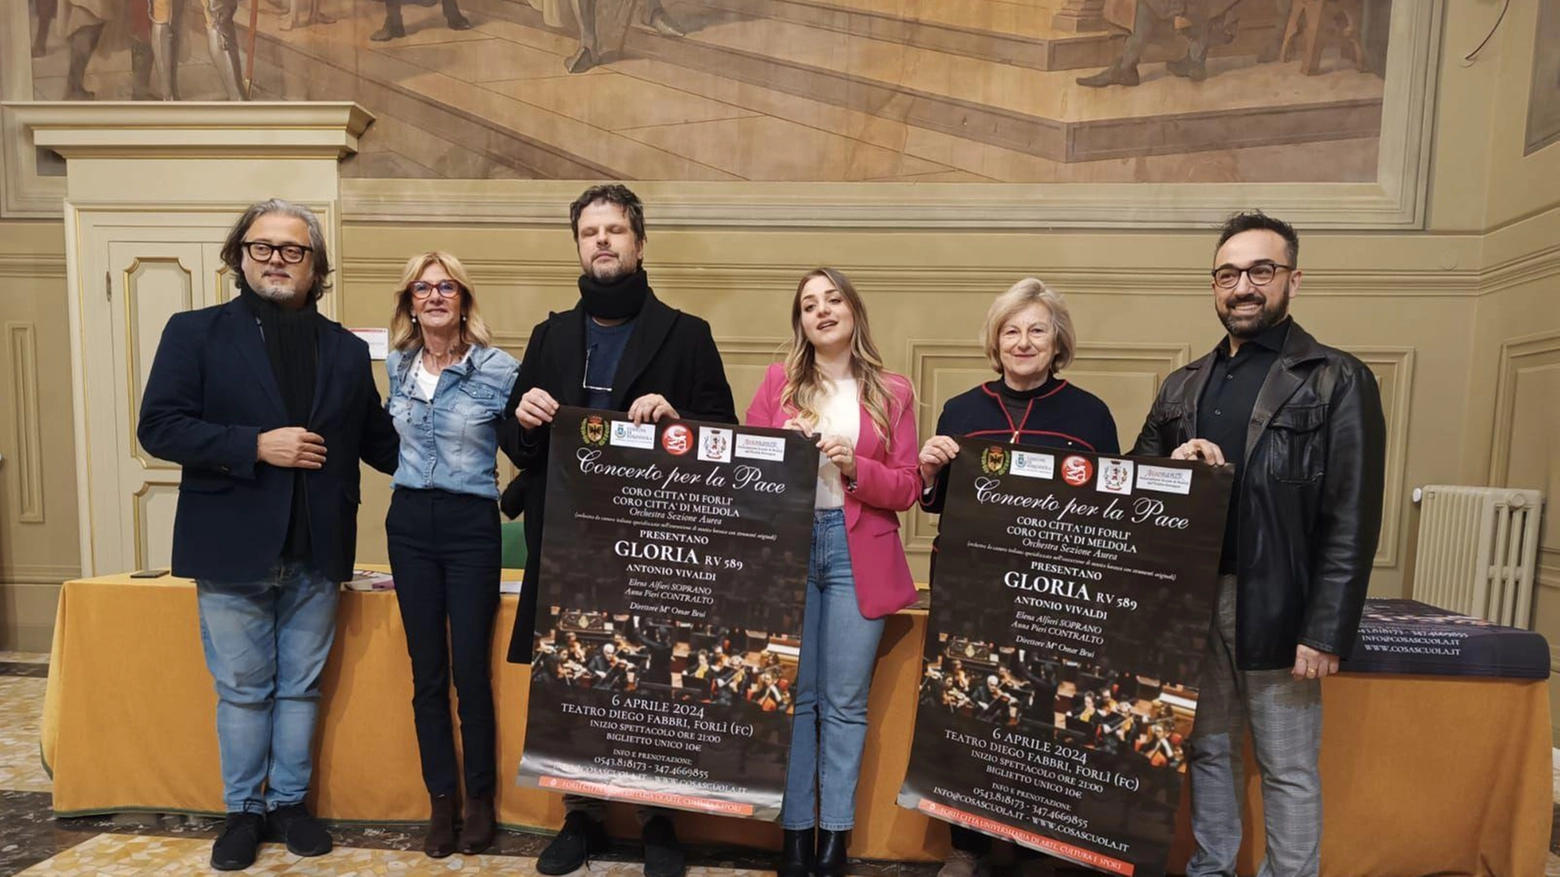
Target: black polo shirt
[1224,411]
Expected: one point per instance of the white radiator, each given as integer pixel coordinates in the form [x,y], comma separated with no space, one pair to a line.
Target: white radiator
[1477,551]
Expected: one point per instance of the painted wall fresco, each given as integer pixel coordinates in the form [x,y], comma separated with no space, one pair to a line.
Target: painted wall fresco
[1543,121]
[977,91]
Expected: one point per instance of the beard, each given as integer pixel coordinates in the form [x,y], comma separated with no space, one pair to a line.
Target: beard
[275,289]
[1275,307]
[276,292]
[609,272]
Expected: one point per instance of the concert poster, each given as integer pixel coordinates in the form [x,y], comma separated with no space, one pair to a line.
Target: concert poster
[1071,600]
[674,565]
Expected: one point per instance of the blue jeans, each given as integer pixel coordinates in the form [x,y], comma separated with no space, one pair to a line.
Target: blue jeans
[833,678]
[266,642]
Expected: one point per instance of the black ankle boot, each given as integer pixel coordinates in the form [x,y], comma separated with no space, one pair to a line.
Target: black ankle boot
[796,854]
[830,861]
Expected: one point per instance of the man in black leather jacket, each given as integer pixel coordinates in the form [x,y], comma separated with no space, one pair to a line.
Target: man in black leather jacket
[1303,426]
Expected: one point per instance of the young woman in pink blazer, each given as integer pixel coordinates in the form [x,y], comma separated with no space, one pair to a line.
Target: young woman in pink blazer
[832,385]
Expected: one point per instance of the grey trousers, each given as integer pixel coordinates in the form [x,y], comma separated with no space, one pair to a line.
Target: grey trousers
[1285,717]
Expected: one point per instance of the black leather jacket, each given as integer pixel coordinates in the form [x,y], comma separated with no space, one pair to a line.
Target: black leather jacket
[1309,500]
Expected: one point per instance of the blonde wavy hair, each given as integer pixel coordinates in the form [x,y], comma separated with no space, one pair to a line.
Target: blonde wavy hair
[1019,296]
[406,334]
[803,381]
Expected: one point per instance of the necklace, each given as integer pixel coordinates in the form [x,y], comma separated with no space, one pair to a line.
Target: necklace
[431,360]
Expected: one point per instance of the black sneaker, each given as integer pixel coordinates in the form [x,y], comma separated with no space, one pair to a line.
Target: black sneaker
[663,854]
[303,834]
[579,837]
[235,847]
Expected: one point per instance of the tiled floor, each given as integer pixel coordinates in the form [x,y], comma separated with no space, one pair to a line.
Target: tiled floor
[33,842]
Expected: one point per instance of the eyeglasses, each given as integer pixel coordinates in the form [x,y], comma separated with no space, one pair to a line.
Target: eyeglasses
[423,289]
[1260,274]
[261,251]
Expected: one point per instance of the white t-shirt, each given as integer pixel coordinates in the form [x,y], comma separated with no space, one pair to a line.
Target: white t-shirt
[839,414]
[428,382]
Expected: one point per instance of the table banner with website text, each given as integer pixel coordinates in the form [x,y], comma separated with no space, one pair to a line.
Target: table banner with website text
[673,569]
[1071,600]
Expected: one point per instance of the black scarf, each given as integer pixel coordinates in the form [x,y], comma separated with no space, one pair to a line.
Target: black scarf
[292,345]
[621,299]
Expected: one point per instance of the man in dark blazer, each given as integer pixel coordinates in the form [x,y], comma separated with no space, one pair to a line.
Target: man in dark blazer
[619,349]
[267,406]
[1302,424]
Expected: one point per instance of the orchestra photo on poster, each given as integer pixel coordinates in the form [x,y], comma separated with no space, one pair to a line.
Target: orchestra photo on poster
[686,662]
[1083,705]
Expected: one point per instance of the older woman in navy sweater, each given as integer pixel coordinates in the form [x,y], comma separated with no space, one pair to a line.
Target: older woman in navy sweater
[1028,339]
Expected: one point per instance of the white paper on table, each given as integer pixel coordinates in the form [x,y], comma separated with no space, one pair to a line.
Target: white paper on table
[367,580]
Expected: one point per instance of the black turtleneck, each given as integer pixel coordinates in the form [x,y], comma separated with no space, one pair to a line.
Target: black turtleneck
[620,299]
[1017,402]
[291,337]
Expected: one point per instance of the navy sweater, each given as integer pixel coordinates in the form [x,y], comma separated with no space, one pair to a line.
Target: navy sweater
[1057,415]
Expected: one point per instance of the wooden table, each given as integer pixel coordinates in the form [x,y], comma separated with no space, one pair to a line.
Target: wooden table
[1422,774]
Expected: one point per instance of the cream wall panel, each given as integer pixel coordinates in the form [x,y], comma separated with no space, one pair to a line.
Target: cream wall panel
[1519,186]
[26,433]
[38,531]
[152,511]
[27,607]
[154,287]
[1512,432]
[1141,304]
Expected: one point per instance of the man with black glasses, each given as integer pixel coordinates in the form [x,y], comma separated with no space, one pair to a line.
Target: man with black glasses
[1302,424]
[267,405]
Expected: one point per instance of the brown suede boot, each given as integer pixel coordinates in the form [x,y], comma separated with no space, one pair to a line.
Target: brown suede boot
[440,841]
[477,833]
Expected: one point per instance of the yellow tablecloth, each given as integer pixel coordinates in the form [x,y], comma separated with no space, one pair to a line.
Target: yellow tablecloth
[1422,775]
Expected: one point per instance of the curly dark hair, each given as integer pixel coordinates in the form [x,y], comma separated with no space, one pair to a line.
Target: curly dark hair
[610,193]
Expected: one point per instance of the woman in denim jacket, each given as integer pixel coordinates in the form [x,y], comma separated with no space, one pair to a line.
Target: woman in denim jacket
[448,389]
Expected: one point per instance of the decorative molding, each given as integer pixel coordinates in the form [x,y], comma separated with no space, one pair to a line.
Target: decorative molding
[1530,268]
[195,129]
[1548,572]
[1512,354]
[762,279]
[22,349]
[31,267]
[37,574]
[130,287]
[753,350]
[1547,575]
[1394,369]
[512,343]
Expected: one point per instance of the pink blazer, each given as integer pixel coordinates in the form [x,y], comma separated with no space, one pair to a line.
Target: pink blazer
[887,481]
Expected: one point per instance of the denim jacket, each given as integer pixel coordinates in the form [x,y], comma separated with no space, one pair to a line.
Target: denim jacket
[451,443]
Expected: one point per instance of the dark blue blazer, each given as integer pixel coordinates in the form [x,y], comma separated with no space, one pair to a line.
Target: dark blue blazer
[211,393]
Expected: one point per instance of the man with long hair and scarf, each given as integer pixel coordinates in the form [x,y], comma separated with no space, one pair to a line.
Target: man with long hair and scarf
[268,406]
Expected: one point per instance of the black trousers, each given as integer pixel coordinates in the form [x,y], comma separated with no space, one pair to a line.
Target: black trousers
[445,556]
